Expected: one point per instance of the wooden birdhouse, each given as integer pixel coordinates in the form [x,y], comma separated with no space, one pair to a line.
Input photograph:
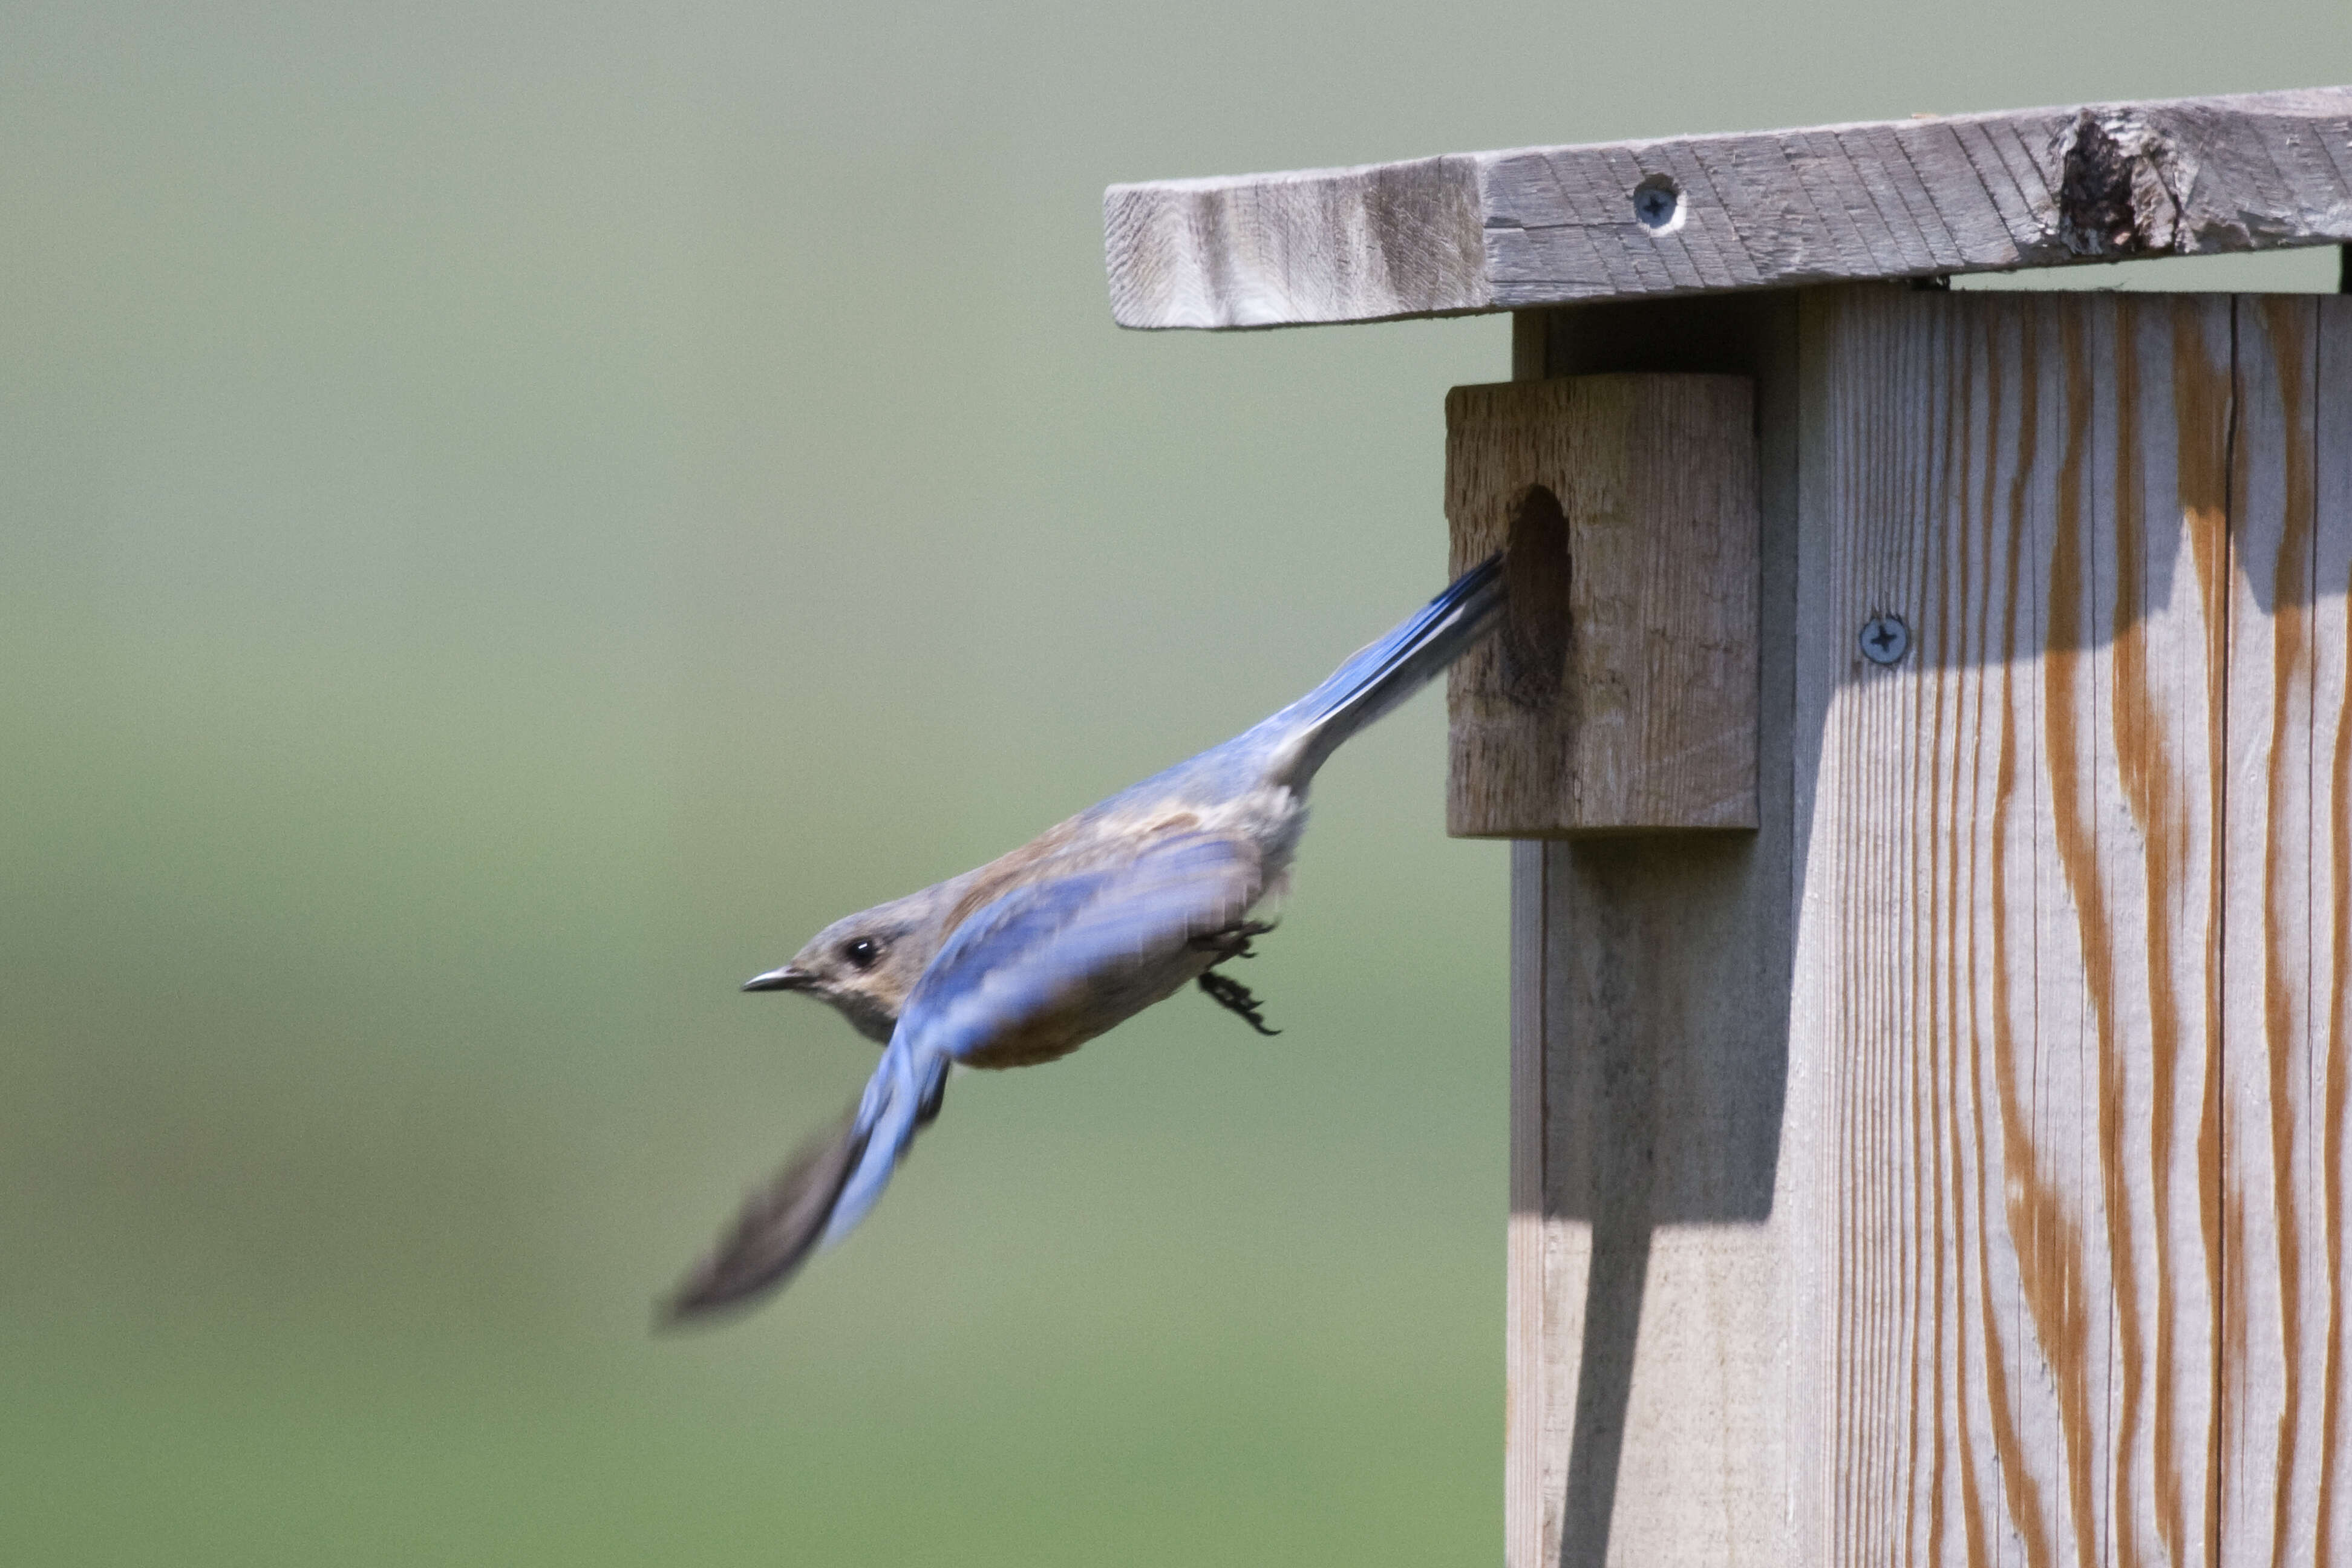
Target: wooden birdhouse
[1921,721]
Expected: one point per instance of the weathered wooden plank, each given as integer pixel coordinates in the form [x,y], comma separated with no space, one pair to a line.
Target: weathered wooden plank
[2009,946]
[2284,1430]
[1649,1417]
[1322,244]
[1550,226]
[1621,693]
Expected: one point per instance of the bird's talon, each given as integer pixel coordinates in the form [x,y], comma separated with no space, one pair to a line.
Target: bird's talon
[1232,942]
[1234,997]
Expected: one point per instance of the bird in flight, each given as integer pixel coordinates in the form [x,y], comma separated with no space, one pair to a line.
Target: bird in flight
[1030,956]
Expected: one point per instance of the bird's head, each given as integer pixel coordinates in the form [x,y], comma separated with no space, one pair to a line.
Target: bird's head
[865,964]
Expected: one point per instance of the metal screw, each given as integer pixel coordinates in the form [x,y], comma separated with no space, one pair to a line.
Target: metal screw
[1658,203]
[1885,639]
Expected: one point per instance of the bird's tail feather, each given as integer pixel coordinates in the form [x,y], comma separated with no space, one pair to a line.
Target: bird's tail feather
[1382,676]
[823,1190]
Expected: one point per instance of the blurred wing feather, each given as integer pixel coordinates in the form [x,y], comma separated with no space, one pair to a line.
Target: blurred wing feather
[778,1227]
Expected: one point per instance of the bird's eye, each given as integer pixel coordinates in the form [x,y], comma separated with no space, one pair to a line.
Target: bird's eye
[862,953]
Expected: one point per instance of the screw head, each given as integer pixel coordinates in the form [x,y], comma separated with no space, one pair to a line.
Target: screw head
[1658,204]
[1885,639]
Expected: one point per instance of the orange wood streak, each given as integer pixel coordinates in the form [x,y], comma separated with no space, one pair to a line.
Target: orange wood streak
[2334,1084]
[2201,414]
[2290,596]
[2051,1262]
[2333,1103]
[2162,808]
[2335,1068]
[2145,769]
[2021,1491]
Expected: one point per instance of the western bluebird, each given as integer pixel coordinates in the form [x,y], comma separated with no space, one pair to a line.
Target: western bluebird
[1032,956]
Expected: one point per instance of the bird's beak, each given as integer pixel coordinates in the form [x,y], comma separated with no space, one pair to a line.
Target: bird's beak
[784,979]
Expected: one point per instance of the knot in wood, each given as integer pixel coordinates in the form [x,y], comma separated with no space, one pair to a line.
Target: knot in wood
[2115,194]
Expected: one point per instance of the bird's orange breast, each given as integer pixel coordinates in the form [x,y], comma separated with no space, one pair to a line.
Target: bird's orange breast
[1040,1040]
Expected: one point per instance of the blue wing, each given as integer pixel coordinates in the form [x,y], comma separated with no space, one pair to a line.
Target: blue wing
[1046,947]
[1054,949]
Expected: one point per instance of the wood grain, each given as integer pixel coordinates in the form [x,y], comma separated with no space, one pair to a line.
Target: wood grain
[2075,910]
[1621,693]
[1549,226]
[2013,931]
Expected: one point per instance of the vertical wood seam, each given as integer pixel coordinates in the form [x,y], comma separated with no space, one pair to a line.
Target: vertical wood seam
[2218,1075]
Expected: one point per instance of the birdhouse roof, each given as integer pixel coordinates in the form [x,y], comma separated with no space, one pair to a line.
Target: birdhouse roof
[1472,232]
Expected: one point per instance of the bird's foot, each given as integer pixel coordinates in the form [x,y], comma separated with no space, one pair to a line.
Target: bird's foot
[1233,942]
[1234,997]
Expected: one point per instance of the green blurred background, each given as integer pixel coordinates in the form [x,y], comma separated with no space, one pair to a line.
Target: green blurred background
[511,518]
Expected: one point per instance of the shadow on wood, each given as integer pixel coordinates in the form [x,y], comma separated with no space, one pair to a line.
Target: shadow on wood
[1612,1320]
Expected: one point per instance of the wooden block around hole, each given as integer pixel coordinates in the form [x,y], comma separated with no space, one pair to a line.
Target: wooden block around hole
[1620,694]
